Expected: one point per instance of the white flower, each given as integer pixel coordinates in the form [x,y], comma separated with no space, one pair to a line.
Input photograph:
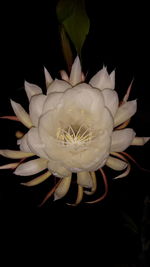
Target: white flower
[74,128]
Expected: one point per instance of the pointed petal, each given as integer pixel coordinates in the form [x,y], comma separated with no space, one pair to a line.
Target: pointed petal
[9,166]
[38,180]
[111,100]
[22,115]
[31,167]
[125,112]
[48,78]
[116,164]
[50,193]
[76,74]
[102,80]
[128,92]
[36,107]
[122,139]
[112,77]
[125,173]
[64,75]
[140,141]
[35,143]
[63,188]
[15,154]
[32,89]
[58,86]
[84,179]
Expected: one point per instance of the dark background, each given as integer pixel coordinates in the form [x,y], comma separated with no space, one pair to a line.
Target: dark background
[118,38]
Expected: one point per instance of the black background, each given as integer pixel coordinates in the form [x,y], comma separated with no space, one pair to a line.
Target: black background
[118,38]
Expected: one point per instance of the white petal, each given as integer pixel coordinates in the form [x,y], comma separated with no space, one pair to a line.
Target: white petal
[38,180]
[112,77]
[111,100]
[76,74]
[31,167]
[22,115]
[94,186]
[64,75]
[35,143]
[140,141]
[23,142]
[116,164]
[58,86]
[84,179]
[52,101]
[63,188]
[106,121]
[125,173]
[32,89]
[125,112]
[15,154]
[48,78]
[102,80]
[36,107]
[57,169]
[122,139]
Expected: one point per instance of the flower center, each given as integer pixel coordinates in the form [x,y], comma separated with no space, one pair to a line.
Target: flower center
[75,135]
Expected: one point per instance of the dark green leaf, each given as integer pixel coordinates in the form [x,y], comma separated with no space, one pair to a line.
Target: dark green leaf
[73,16]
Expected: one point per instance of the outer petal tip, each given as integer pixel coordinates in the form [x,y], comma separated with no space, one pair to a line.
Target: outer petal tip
[32,89]
[76,74]
[48,78]
[140,141]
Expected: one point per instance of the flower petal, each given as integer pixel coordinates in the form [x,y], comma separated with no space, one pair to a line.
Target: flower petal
[140,141]
[32,89]
[35,143]
[23,142]
[36,107]
[52,101]
[125,173]
[112,77]
[125,112]
[111,100]
[84,179]
[9,166]
[94,182]
[116,164]
[31,167]
[64,75]
[102,80]
[58,86]
[57,169]
[122,139]
[22,115]
[76,74]
[48,78]
[15,154]
[38,180]
[63,188]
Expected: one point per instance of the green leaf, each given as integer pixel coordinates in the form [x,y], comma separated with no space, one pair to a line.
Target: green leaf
[73,16]
[64,9]
[66,49]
